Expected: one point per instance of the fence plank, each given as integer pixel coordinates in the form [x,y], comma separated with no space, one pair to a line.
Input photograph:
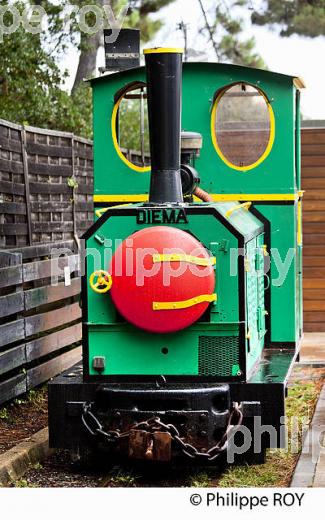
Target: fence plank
[12,145]
[42,373]
[50,268]
[52,227]
[13,229]
[13,208]
[50,293]
[26,177]
[52,319]
[51,170]
[10,258]
[41,250]
[11,276]
[11,304]
[11,166]
[12,332]
[13,358]
[49,187]
[12,388]
[52,342]
[49,150]
[11,188]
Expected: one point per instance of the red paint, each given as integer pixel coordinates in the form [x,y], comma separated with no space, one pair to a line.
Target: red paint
[134,299]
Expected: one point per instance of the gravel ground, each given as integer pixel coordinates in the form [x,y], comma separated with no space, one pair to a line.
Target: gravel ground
[59,471]
[23,417]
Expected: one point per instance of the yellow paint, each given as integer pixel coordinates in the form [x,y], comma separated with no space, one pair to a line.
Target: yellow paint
[184,258]
[265,252]
[299,83]
[163,50]
[247,265]
[100,281]
[217,197]
[115,141]
[254,197]
[215,141]
[245,206]
[101,211]
[121,198]
[299,226]
[159,306]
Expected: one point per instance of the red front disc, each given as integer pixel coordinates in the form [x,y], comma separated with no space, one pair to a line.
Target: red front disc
[139,282]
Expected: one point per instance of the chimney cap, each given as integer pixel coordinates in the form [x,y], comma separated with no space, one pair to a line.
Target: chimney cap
[164,50]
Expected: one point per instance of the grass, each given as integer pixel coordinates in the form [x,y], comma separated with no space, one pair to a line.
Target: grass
[200,479]
[4,414]
[37,397]
[280,464]
[119,477]
[33,396]
[22,483]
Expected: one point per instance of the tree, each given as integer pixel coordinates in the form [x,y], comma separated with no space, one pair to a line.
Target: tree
[224,33]
[138,16]
[302,17]
[31,85]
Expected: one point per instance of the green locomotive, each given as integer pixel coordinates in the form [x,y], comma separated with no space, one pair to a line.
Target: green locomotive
[192,291]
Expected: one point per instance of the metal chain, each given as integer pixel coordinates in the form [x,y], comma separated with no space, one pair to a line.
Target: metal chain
[154,424]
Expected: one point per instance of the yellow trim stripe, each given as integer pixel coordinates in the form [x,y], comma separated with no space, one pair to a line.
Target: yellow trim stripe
[299,224]
[245,206]
[101,211]
[184,258]
[163,50]
[166,306]
[121,198]
[217,197]
[214,133]
[115,141]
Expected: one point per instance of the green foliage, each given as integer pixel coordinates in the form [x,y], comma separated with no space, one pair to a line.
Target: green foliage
[303,17]
[31,84]
[139,17]
[227,28]
[129,124]
[31,87]
[4,415]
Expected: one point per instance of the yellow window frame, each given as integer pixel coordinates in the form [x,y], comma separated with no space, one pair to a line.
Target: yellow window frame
[133,86]
[214,133]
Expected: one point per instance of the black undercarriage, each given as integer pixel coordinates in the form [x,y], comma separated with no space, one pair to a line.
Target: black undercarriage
[163,420]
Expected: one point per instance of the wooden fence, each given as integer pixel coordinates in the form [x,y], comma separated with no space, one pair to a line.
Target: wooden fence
[40,331]
[46,203]
[313,181]
[46,185]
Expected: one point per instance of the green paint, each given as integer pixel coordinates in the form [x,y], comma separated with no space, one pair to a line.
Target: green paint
[235,369]
[131,351]
[201,82]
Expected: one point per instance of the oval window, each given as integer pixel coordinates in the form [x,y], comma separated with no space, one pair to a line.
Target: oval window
[130,128]
[242,126]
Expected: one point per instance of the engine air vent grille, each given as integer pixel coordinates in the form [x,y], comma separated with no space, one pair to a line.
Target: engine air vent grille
[218,355]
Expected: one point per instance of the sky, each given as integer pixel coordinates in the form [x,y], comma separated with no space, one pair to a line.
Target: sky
[297,56]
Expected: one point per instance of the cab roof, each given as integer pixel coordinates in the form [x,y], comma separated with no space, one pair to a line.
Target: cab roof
[297,81]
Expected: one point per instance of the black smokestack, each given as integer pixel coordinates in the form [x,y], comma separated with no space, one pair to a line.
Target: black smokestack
[164,88]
